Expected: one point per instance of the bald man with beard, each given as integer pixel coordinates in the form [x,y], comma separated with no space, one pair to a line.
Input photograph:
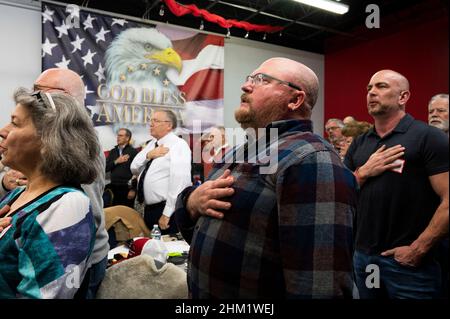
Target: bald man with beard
[283,232]
[401,165]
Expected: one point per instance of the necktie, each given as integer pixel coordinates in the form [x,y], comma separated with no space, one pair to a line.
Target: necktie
[140,189]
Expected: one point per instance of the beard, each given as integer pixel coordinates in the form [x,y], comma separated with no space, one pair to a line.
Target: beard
[442,125]
[246,116]
[381,109]
[265,114]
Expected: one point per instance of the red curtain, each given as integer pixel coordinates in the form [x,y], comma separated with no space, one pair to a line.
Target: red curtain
[181,10]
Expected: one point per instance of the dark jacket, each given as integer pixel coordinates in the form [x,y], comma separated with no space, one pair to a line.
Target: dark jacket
[120,173]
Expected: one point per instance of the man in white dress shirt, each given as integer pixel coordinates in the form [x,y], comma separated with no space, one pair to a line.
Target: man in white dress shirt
[164,168]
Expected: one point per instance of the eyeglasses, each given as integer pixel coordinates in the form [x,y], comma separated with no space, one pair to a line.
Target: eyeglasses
[45,88]
[38,96]
[332,128]
[262,79]
[157,121]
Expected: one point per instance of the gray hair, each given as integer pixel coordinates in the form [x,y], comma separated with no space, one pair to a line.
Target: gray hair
[438,96]
[337,121]
[171,116]
[70,146]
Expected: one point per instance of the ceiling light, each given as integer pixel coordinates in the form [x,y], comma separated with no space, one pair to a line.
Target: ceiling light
[246,35]
[328,5]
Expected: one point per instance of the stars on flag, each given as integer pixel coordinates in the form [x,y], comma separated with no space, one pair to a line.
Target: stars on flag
[62,29]
[87,91]
[120,22]
[47,47]
[100,73]
[88,57]
[88,22]
[77,44]
[47,15]
[63,64]
[95,109]
[100,36]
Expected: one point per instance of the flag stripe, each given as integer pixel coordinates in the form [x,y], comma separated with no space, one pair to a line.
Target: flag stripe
[210,57]
[190,48]
[209,90]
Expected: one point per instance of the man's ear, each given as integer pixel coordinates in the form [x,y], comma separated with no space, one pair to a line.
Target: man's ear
[404,97]
[297,100]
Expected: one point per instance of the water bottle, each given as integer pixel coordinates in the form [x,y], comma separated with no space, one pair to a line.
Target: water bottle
[156,233]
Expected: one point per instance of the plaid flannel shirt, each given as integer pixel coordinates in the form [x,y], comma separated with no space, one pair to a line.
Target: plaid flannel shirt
[287,235]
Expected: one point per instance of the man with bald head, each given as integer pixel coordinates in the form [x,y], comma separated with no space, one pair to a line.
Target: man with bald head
[61,80]
[67,81]
[402,167]
[276,230]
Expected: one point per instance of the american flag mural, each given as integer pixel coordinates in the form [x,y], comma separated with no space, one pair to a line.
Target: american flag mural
[131,69]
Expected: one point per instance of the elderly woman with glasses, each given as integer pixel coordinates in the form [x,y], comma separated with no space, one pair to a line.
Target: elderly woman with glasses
[45,249]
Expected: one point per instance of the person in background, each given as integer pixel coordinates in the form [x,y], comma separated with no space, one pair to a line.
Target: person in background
[48,242]
[333,127]
[351,131]
[10,179]
[348,120]
[118,163]
[401,165]
[438,117]
[280,232]
[438,112]
[215,147]
[164,169]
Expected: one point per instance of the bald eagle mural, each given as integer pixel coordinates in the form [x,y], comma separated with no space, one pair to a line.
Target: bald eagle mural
[137,61]
[126,65]
[141,56]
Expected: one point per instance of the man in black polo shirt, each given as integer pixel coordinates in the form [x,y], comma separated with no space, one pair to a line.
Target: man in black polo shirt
[118,163]
[402,168]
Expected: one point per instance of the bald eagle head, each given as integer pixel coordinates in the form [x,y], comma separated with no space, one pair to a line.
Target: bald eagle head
[136,52]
